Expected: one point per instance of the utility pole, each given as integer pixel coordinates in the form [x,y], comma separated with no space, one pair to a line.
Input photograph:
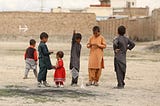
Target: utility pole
[41,5]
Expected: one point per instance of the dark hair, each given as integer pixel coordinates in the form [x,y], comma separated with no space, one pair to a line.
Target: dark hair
[60,54]
[78,36]
[43,35]
[96,28]
[121,30]
[32,42]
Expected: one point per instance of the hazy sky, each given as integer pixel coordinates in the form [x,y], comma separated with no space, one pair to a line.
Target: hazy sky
[34,5]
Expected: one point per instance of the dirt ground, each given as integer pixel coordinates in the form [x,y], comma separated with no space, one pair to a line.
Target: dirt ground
[142,79]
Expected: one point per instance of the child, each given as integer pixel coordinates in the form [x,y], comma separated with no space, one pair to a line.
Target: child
[44,60]
[121,44]
[75,57]
[96,45]
[31,59]
[59,75]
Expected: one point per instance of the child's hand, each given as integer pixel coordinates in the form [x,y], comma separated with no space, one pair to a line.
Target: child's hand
[88,45]
[95,45]
[51,52]
[54,67]
[117,50]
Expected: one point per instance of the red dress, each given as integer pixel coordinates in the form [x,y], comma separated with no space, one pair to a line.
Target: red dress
[60,74]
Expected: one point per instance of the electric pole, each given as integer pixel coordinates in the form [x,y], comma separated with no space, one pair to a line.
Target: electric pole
[41,5]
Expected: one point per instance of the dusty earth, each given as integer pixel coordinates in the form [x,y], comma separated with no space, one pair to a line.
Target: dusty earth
[142,79]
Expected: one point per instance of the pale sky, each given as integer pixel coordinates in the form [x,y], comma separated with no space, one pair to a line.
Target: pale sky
[34,5]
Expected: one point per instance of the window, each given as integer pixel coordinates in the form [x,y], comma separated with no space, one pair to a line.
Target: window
[128,4]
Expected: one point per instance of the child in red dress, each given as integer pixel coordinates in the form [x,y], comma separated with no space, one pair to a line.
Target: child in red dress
[60,74]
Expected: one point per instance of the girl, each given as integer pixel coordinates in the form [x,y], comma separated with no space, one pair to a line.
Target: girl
[59,75]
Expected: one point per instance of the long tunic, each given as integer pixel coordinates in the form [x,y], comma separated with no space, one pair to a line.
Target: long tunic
[75,56]
[44,58]
[96,60]
[122,43]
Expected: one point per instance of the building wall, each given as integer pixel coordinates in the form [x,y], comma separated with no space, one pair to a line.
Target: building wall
[118,3]
[121,3]
[140,29]
[133,12]
[132,3]
[55,24]
[100,11]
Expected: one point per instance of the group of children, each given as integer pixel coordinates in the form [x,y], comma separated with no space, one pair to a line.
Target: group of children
[96,44]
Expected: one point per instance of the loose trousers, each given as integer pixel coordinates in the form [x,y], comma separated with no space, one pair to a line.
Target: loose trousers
[94,74]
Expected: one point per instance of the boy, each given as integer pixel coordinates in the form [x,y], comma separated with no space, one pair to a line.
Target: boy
[44,60]
[75,57]
[30,57]
[96,45]
[121,44]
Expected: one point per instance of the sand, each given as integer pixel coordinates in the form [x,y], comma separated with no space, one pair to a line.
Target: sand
[142,79]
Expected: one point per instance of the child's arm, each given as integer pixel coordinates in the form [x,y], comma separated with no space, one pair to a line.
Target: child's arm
[89,45]
[45,51]
[25,55]
[73,37]
[115,45]
[131,44]
[103,44]
[35,55]
[59,64]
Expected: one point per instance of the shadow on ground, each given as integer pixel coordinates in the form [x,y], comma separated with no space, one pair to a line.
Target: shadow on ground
[45,94]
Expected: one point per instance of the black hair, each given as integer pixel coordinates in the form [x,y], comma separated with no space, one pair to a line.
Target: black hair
[121,30]
[43,35]
[78,36]
[60,54]
[32,42]
[96,28]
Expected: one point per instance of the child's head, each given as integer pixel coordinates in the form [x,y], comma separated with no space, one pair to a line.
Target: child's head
[59,54]
[121,30]
[78,37]
[32,42]
[44,37]
[96,31]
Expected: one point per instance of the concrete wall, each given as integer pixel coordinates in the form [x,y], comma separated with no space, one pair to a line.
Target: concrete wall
[100,11]
[55,24]
[133,12]
[140,29]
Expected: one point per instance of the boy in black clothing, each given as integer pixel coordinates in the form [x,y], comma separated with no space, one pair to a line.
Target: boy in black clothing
[44,60]
[121,44]
[75,57]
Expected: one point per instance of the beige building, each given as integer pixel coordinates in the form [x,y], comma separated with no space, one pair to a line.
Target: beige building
[102,10]
[112,8]
[59,9]
[123,3]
